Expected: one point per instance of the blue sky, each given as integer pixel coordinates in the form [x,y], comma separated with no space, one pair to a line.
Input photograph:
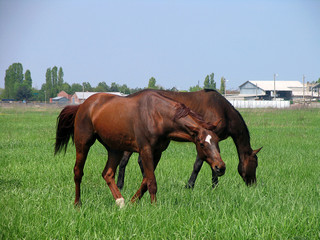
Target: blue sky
[177,42]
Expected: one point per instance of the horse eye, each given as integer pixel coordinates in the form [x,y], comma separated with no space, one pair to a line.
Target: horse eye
[202,145]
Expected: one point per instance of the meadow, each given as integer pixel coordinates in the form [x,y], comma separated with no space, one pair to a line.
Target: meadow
[37,188]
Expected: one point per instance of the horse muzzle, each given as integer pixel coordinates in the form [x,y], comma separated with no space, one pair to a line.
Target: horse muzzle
[220,170]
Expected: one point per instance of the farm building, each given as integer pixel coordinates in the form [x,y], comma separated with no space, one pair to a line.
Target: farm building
[80,97]
[64,94]
[59,100]
[286,90]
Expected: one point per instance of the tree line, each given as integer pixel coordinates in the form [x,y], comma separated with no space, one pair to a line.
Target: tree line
[18,85]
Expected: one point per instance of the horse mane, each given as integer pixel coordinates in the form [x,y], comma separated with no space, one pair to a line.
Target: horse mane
[183,111]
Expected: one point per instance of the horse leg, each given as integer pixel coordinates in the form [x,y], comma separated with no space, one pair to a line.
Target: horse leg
[215,179]
[81,156]
[196,168]
[108,174]
[149,181]
[140,165]
[122,168]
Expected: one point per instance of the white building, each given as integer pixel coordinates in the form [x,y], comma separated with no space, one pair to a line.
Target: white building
[80,97]
[284,89]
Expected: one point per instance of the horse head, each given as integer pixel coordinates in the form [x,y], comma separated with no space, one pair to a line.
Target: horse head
[207,146]
[247,167]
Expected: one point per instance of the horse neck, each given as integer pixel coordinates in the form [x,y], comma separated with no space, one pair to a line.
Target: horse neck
[181,132]
[241,137]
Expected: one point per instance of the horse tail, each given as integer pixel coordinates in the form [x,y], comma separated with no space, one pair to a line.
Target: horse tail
[65,128]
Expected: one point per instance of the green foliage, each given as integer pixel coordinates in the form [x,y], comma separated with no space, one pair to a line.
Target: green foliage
[37,189]
[195,88]
[102,87]
[209,82]
[114,87]
[152,83]
[60,80]
[13,80]
[76,87]
[24,92]
[66,87]
[28,79]
[222,85]
[48,85]
[87,87]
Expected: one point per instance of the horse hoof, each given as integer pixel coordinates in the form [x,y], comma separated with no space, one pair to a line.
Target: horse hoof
[189,186]
[120,202]
[77,205]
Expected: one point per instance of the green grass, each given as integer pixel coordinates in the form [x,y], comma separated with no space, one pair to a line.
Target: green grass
[37,189]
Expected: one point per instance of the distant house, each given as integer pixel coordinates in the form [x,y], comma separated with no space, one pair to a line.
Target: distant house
[80,97]
[60,100]
[286,90]
[64,94]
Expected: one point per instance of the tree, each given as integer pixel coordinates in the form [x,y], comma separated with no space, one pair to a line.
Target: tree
[28,79]
[114,87]
[124,89]
[87,87]
[195,88]
[48,87]
[223,85]
[152,83]
[76,87]
[102,87]
[13,79]
[318,80]
[54,78]
[60,79]
[206,83]
[66,87]
[209,82]
[24,92]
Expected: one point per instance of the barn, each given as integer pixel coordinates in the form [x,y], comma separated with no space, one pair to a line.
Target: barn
[80,97]
[59,100]
[286,90]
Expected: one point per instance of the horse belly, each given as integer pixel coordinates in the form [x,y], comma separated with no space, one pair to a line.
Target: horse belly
[116,133]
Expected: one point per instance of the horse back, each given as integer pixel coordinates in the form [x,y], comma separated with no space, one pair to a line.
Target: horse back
[211,105]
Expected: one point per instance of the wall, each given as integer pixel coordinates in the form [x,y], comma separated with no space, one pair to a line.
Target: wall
[259,104]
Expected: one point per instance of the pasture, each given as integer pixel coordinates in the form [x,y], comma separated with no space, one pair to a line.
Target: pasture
[37,189]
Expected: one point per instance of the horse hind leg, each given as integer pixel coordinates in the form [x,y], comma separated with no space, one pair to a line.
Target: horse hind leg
[122,168]
[108,175]
[82,149]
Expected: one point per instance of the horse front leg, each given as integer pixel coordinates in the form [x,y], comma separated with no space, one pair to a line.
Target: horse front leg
[215,179]
[122,168]
[196,168]
[109,176]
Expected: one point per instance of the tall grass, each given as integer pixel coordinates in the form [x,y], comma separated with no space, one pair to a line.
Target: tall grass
[37,189]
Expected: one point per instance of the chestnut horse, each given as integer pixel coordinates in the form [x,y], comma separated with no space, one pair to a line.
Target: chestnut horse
[212,106]
[145,123]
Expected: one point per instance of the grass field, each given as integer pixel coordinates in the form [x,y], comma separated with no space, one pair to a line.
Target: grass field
[37,189]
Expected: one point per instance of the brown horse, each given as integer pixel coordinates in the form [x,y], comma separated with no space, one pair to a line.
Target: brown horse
[145,123]
[212,106]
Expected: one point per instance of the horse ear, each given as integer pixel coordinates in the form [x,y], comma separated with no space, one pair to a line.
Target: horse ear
[214,125]
[255,152]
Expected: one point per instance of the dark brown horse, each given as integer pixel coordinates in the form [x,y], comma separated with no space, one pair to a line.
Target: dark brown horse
[212,106]
[145,123]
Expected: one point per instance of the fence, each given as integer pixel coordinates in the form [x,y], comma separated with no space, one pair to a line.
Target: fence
[259,104]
